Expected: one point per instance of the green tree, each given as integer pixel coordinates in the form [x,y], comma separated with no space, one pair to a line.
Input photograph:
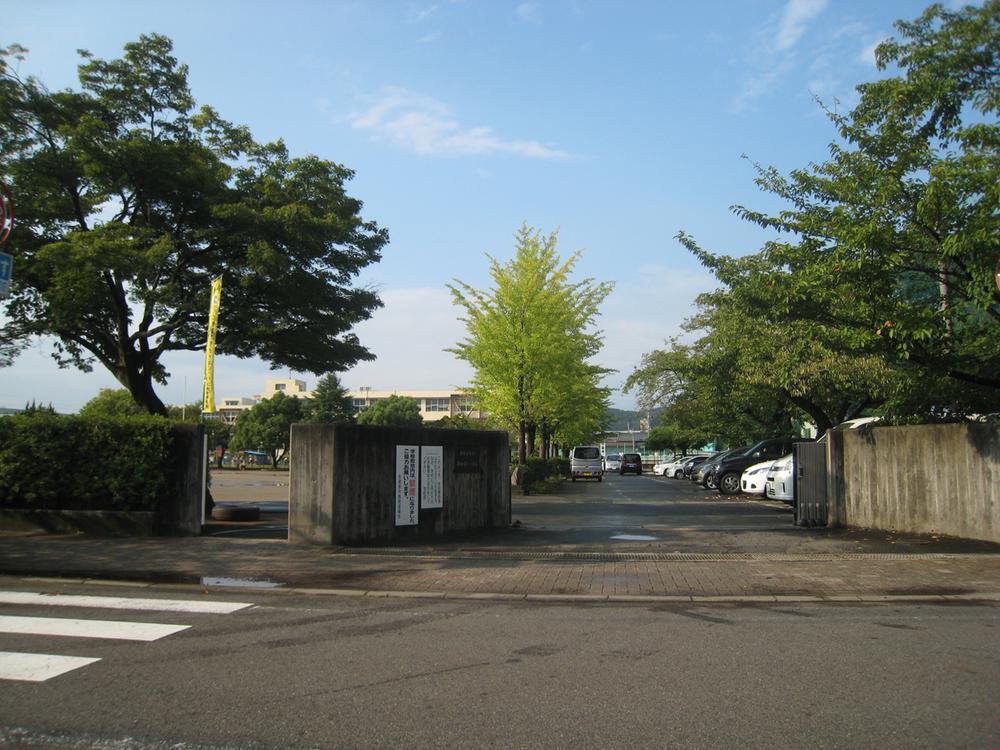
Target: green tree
[111,402]
[219,432]
[891,243]
[130,201]
[330,402]
[394,411]
[267,426]
[529,340]
[461,422]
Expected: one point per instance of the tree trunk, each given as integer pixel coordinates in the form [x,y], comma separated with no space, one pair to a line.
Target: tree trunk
[522,455]
[140,386]
[532,430]
[944,292]
[822,421]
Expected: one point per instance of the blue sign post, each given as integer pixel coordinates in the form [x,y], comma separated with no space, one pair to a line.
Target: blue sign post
[6,265]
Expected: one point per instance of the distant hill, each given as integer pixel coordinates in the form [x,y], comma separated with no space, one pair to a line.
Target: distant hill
[622,419]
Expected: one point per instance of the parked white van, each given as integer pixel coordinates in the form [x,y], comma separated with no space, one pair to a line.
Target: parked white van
[585,462]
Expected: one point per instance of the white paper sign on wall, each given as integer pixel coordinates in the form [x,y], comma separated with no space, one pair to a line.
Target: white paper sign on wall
[432,476]
[407,484]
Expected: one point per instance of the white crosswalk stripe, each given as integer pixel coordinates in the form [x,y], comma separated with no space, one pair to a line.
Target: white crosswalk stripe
[123,602]
[38,667]
[34,667]
[111,629]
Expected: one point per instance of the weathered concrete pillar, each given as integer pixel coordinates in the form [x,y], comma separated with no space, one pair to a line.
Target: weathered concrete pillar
[183,516]
[310,484]
[343,483]
[836,513]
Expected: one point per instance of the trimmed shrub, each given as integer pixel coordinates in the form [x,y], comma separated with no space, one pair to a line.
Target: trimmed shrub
[57,462]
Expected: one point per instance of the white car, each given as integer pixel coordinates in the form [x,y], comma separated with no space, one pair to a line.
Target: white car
[613,462]
[673,468]
[667,468]
[754,478]
[781,477]
[780,480]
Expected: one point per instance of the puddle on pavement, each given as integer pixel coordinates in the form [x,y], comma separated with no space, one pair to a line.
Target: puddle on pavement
[634,538]
[241,583]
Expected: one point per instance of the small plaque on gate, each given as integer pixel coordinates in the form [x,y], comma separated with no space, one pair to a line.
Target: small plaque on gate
[467,461]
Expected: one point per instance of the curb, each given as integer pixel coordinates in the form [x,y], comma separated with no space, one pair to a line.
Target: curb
[984,597]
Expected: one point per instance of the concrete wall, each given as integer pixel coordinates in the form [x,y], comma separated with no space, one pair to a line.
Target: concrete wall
[942,479]
[342,483]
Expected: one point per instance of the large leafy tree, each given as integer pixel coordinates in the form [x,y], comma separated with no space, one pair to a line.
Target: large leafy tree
[394,411]
[267,426]
[529,340]
[891,243]
[130,200]
[879,293]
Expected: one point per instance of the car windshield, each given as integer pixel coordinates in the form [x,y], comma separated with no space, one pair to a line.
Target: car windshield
[631,456]
[587,453]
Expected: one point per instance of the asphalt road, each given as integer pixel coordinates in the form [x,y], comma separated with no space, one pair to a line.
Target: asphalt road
[299,671]
[625,513]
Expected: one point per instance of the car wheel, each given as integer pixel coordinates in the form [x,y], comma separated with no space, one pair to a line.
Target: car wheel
[678,474]
[600,479]
[574,479]
[729,483]
[709,482]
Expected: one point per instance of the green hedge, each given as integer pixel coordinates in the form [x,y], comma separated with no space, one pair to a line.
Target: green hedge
[49,461]
[540,469]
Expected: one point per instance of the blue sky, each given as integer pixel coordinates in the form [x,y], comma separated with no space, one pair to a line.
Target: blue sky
[617,123]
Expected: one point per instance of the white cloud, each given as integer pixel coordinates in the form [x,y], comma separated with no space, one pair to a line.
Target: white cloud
[528,12]
[773,55]
[867,55]
[420,14]
[408,336]
[794,18]
[642,314]
[426,127]
[428,38]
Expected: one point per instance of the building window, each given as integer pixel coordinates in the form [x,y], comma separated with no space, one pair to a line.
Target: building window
[279,386]
[360,404]
[464,405]
[436,404]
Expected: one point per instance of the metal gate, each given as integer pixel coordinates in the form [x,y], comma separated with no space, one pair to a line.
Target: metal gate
[810,484]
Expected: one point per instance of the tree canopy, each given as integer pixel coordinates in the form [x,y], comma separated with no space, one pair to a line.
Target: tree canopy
[130,200]
[394,411]
[530,339]
[267,426]
[111,402]
[330,402]
[879,291]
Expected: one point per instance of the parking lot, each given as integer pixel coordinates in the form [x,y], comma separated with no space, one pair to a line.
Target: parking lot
[622,514]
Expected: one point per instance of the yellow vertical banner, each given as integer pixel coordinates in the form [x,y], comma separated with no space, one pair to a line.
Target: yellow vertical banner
[208,399]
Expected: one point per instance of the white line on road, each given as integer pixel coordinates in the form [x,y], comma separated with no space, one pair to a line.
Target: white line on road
[38,667]
[113,629]
[121,602]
